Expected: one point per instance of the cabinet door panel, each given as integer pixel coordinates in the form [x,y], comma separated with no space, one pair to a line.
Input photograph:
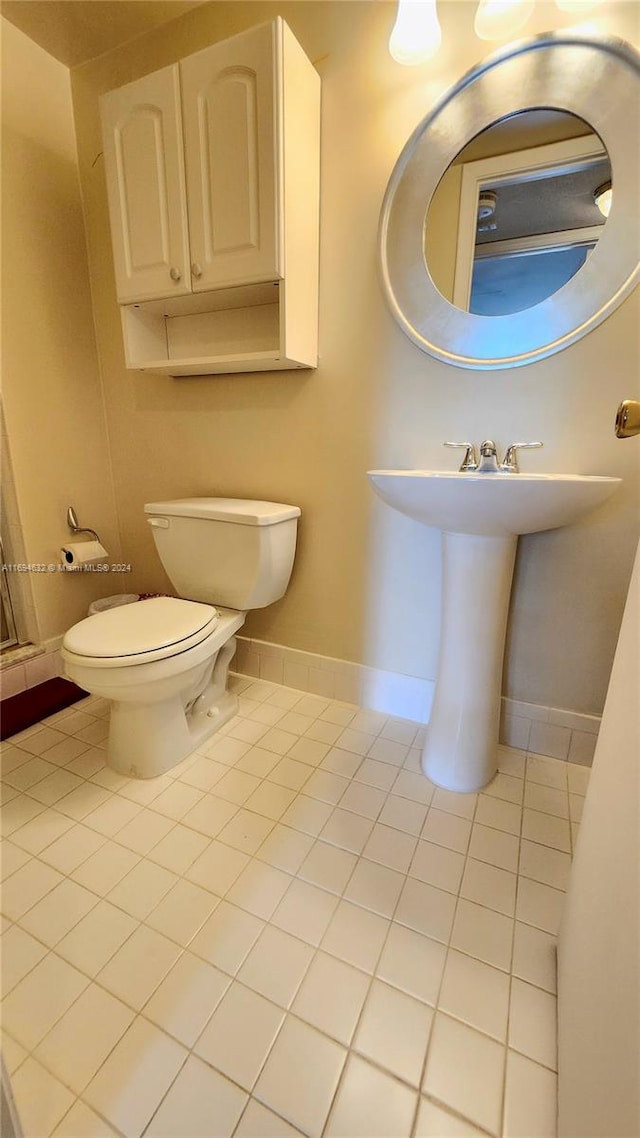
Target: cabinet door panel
[230,128]
[145,182]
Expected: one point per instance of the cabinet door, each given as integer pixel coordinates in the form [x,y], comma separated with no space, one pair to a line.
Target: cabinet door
[143,152]
[231,134]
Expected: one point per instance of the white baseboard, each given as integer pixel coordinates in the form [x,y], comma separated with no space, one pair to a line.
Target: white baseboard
[550,731]
[406,697]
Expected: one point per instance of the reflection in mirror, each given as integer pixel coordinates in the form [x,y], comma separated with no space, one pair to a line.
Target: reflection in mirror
[517,212]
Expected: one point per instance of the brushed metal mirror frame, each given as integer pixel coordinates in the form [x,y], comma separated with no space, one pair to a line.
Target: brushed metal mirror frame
[596,79]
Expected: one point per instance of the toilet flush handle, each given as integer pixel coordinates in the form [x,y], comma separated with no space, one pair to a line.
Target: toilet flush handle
[159,523]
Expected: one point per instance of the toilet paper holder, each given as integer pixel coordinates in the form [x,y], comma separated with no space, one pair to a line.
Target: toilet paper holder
[75,527]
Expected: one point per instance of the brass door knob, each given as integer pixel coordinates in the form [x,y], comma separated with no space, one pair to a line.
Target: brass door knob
[628,419]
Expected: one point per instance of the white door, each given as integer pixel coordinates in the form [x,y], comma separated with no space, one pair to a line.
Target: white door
[231,141]
[143,152]
[599,945]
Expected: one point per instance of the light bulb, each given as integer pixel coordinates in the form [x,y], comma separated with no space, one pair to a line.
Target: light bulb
[499,19]
[573,6]
[602,198]
[416,34]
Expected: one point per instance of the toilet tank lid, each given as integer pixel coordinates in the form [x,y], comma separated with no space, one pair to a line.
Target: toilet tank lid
[242,511]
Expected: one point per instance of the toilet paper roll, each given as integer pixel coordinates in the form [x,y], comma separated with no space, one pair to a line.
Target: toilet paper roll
[82,553]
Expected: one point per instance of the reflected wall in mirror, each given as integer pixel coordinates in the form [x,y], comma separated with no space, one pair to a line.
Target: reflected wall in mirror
[522,143]
[516,214]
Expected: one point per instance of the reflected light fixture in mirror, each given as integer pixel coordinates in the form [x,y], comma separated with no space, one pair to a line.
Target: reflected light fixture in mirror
[499,19]
[516,216]
[416,34]
[602,198]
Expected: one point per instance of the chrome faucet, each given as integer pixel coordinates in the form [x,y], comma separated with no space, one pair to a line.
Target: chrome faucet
[488,461]
[488,458]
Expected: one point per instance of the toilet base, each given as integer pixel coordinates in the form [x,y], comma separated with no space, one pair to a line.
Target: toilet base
[147,739]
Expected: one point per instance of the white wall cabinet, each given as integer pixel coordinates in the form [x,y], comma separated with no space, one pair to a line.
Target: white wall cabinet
[231,161]
[142,129]
[212,171]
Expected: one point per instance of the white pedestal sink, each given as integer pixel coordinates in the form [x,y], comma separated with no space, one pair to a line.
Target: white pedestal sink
[481,516]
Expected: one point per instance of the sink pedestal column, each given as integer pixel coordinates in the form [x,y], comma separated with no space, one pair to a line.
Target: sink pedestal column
[462,737]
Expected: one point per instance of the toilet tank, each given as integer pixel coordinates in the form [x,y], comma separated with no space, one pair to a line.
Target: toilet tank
[231,552]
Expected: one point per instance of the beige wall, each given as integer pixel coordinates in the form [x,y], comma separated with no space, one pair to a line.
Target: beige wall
[51,386]
[366,581]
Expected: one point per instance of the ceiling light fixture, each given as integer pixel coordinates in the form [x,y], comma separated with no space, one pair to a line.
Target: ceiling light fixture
[499,19]
[416,34]
[602,197]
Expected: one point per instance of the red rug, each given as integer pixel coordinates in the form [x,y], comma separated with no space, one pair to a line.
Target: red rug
[28,707]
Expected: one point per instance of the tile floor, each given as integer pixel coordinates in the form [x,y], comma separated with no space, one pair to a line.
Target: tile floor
[292,933]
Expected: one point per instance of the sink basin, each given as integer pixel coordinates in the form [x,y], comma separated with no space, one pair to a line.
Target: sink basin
[481,516]
[493,505]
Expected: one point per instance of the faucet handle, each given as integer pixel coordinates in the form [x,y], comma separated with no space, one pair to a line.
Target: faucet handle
[510,460]
[470,460]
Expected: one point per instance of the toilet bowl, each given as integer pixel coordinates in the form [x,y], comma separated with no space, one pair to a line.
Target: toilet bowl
[163,662]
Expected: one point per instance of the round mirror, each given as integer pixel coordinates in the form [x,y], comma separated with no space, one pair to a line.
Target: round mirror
[496,243]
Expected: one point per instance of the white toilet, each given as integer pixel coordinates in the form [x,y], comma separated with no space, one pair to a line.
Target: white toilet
[163,662]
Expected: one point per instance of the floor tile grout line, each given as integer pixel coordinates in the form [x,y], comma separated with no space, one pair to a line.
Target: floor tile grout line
[287,1013]
[444,968]
[456,1114]
[102,1117]
[572,840]
[164,1096]
[423,1073]
[435,1009]
[251,1099]
[503,1103]
[358,1022]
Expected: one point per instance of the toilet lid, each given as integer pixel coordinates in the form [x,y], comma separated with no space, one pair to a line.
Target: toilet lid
[155,625]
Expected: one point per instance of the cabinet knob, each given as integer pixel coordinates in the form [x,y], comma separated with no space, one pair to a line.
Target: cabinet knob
[175,274]
[196,269]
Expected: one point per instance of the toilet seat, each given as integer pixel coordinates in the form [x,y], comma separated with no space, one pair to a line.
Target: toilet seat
[140,633]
